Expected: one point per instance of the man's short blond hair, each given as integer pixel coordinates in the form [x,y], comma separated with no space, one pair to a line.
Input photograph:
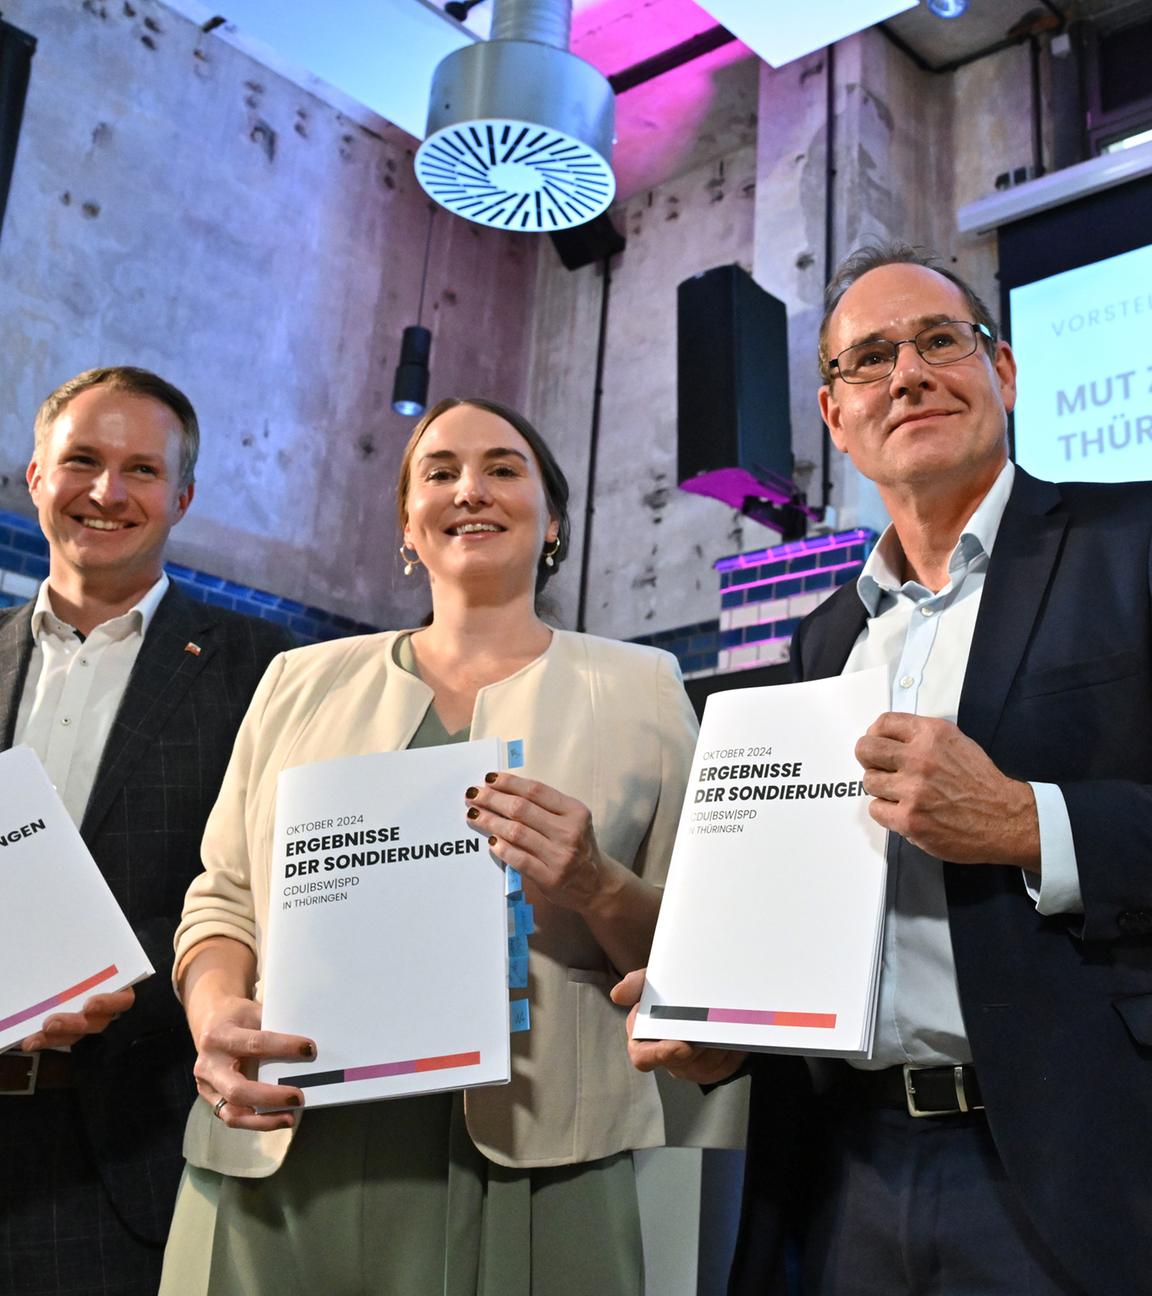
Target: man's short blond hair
[136,382]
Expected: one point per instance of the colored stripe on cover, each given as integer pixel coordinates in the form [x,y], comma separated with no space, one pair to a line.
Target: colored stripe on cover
[53,1001]
[411,1067]
[744,1016]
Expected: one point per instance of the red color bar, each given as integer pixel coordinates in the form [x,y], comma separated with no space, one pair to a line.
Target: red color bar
[445,1063]
[821,1021]
[57,999]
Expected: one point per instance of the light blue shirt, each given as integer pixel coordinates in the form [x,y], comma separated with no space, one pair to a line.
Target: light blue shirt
[924,638]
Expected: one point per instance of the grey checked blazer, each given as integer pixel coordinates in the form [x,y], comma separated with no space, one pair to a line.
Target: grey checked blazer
[158,778]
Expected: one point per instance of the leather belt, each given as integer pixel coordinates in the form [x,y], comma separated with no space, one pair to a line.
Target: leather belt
[922,1091]
[22,1074]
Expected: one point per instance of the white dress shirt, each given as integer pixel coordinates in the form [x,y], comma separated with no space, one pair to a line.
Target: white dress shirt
[74,688]
[924,638]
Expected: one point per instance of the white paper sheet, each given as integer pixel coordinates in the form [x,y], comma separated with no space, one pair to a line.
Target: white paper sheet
[63,937]
[387,938]
[770,931]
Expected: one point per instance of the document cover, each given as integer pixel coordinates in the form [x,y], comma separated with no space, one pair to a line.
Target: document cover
[769,936]
[63,937]
[387,936]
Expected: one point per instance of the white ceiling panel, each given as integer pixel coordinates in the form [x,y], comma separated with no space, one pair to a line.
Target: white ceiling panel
[783,30]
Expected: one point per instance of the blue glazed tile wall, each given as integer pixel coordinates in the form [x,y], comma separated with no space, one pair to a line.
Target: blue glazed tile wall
[24,563]
[763,597]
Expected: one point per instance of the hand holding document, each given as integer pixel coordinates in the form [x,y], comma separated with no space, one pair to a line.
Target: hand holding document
[388,932]
[770,932]
[63,937]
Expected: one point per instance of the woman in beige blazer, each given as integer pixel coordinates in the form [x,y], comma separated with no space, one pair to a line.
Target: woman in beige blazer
[518,1190]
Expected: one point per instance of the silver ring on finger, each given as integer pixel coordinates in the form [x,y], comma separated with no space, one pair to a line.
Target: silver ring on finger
[217,1108]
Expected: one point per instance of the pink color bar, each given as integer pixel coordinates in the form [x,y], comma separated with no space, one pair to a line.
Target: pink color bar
[60,998]
[411,1067]
[753,1017]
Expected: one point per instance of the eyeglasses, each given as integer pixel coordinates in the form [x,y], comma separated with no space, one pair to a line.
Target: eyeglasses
[938,344]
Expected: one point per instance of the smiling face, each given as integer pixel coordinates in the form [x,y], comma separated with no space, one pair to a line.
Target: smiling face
[476,507]
[924,426]
[106,483]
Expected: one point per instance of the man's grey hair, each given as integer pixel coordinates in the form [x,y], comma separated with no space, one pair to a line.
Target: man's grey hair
[871,257]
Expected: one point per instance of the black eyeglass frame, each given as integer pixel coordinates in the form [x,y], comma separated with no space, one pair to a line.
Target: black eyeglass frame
[978,331]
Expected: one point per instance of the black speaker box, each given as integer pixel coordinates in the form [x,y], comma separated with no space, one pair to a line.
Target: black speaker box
[592,241]
[732,380]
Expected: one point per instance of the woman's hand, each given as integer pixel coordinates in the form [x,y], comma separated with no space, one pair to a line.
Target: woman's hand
[62,1030]
[215,983]
[543,834]
[548,837]
[230,1044]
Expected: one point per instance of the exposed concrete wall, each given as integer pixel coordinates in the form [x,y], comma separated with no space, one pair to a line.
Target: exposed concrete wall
[652,545]
[177,205]
[909,147]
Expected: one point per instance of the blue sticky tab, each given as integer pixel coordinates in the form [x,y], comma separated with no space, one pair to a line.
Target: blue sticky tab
[517,946]
[519,1018]
[518,973]
[525,918]
[513,882]
[515,753]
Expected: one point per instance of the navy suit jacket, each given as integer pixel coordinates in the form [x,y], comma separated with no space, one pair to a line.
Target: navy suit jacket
[159,774]
[1058,1010]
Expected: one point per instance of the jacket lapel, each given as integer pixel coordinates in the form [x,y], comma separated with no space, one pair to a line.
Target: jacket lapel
[1024,557]
[825,647]
[160,678]
[15,654]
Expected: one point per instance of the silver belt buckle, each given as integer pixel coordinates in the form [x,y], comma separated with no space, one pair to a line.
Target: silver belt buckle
[33,1060]
[962,1103]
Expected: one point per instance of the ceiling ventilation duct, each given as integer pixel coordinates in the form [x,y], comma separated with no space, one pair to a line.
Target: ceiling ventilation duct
[519,129]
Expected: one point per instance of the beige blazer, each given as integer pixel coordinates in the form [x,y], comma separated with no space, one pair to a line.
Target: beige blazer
[606,722]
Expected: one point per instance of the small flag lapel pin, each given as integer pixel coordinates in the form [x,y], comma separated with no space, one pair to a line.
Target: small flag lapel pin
[192,648]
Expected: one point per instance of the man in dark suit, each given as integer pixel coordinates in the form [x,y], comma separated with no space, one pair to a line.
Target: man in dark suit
[999,1140]
[131,694]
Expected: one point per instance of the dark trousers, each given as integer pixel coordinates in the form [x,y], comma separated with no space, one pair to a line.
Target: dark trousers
[59,1235]
[921,1207]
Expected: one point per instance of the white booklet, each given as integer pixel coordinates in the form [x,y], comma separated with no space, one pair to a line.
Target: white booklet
[769,935]
[387,937]
[63,937]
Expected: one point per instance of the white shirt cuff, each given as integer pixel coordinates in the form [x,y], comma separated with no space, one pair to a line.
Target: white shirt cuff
[1059,889]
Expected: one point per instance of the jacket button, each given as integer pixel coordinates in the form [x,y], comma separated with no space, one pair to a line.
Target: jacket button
[1135,922]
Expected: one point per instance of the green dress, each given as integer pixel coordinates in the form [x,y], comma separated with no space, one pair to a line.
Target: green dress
[392,1198]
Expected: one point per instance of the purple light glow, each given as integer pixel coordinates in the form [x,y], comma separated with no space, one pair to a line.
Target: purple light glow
[732,486]
[775,580]
[815,544]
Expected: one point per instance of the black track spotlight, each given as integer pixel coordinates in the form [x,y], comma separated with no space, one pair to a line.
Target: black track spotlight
[410,386]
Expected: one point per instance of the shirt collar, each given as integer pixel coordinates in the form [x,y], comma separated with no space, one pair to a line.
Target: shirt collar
[135,621]
[978,536]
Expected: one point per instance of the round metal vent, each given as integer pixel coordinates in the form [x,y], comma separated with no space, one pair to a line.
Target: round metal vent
[515,175]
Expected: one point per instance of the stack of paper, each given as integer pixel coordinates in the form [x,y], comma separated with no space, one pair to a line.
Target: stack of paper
[770,932]
[63,937]
[387,937]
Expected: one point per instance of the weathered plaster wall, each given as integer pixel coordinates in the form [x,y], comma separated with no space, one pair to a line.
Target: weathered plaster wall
[652,545]
[908,147]
[177,205]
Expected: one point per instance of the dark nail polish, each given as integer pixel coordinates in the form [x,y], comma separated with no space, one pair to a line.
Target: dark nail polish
[491,841]
[294,1100]
[489,778]
[470,793]
[308,1051]
[473,813]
